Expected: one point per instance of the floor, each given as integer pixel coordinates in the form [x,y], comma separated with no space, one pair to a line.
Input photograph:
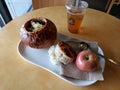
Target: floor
[101,4]
[115,11]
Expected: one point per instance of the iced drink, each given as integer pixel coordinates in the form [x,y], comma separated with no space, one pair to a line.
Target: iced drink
[75,15]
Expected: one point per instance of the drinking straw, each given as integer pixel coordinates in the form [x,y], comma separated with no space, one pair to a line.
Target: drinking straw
[77,3]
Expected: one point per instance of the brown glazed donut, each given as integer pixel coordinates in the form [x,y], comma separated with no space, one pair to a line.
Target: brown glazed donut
[42,37]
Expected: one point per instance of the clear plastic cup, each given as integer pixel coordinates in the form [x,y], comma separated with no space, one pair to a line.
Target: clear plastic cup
[75,12]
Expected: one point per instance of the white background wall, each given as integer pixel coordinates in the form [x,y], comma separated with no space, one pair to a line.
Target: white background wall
[18,7]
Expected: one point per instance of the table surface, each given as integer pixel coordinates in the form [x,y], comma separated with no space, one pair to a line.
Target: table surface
[17,74]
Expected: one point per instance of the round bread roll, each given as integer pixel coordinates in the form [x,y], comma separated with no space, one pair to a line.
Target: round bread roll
[62,53]
[38,33]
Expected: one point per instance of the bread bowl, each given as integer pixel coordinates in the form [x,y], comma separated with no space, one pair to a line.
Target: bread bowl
[38,33]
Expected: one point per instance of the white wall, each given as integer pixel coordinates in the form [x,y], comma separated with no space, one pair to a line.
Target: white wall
[18,7]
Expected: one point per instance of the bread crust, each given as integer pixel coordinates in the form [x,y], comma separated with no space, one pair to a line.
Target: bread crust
[67,49]
[40,38]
